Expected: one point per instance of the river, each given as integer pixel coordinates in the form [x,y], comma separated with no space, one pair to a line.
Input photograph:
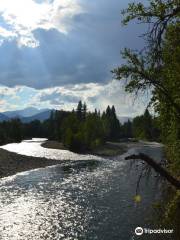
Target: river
[86,198]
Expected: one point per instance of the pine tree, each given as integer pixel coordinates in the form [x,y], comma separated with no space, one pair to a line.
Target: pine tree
[108,111]
[79,110]
[84,111]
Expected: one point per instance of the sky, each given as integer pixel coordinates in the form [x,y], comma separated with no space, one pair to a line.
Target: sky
[57,52]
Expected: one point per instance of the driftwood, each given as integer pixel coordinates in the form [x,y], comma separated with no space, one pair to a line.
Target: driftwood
[157,167]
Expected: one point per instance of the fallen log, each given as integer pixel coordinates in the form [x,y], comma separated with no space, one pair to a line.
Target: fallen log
[157,167]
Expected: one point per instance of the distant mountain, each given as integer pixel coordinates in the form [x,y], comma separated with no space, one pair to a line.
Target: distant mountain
[3,117]
[40,116]
[27,112]
[124,119]
[26,115]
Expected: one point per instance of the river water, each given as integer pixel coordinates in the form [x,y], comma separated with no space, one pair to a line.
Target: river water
[85,198]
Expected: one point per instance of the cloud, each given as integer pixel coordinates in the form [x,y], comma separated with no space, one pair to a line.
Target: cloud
[57,96]
[57,52]
[23,17]
[96,95]
[87,53]
[9,92]
[4,105]
[6,34]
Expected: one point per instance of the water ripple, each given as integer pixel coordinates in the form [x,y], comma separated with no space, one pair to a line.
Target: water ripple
[75,200]
[33,148]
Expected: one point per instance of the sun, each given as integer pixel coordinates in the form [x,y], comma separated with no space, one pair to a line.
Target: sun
[22,17]
[24,14]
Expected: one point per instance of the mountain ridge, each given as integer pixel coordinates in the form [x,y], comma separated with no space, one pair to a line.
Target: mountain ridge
[3,117]
[26,115]
[31,113]
[26,112]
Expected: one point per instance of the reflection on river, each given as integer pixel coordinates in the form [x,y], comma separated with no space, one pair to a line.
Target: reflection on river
[76,200]
[33,148]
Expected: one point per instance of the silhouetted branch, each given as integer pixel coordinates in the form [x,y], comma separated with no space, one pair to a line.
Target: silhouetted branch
[157,167]
[139,180]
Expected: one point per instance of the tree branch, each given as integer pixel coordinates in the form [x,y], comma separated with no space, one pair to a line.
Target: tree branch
[157,167]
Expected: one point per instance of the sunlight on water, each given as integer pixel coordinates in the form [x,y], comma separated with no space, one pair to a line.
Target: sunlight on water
[55,204]
[33,148]
[83,200]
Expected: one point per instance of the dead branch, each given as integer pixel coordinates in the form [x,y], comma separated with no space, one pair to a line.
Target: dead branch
[157,167]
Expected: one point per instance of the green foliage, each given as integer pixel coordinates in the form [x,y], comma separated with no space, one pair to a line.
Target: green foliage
[127,130]
[73,141]
[112,126]
[33,128]
[78,134]
[157,9]
[3,136]
[170,211]
[146,127]
[169,116]
[83,131]
[72,138]
[157,69]
[93,131]
[79,111]
[11,131]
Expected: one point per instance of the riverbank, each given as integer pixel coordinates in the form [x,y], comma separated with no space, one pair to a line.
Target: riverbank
[107,150]
[72,192]
[11,163]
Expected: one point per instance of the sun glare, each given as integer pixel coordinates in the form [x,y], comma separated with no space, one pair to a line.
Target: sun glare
[23,13]
[21,18]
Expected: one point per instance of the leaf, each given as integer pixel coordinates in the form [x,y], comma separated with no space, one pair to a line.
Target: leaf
[137,199]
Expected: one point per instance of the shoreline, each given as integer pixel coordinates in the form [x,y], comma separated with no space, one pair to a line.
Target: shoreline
[12,163]
[107,150]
